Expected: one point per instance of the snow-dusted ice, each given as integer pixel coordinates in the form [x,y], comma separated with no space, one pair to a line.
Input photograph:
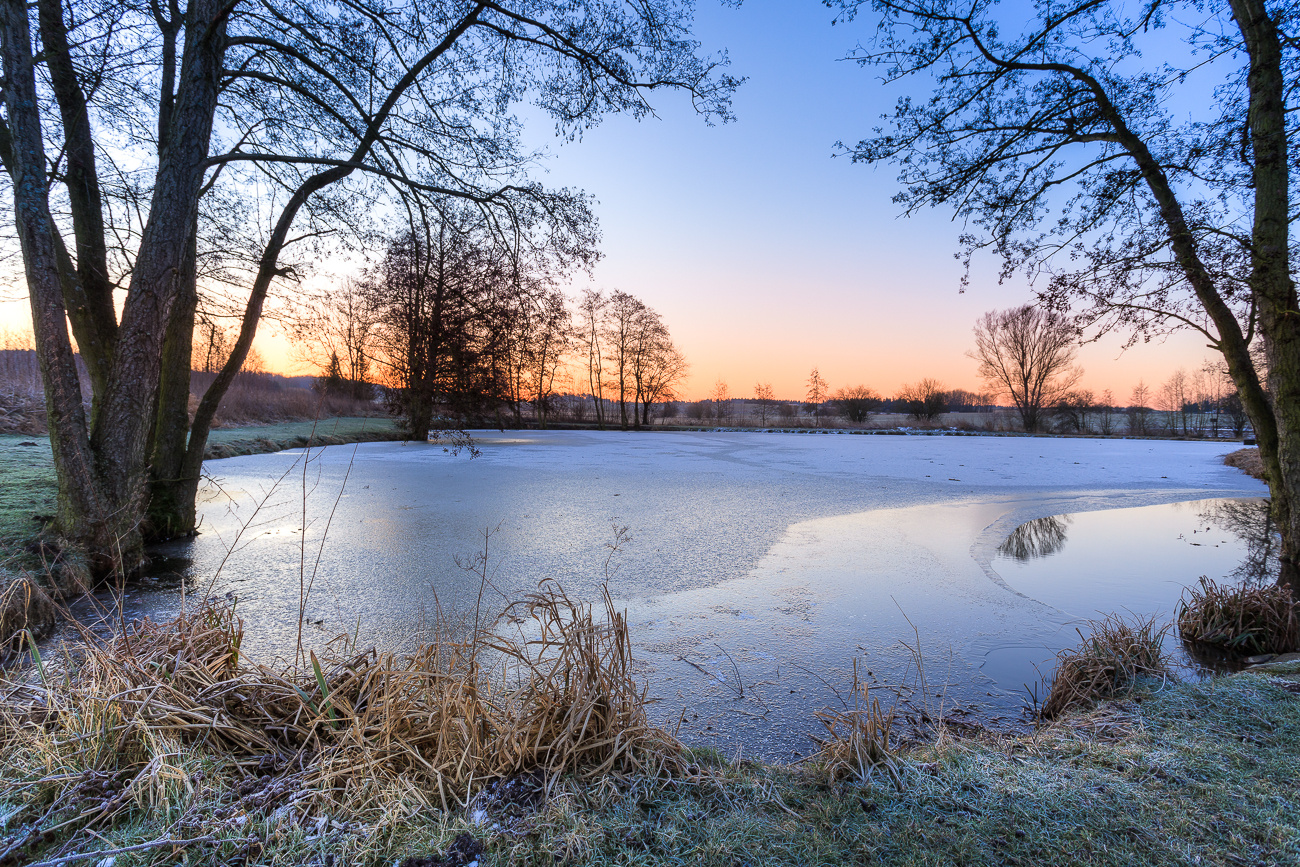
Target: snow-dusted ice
[772,557]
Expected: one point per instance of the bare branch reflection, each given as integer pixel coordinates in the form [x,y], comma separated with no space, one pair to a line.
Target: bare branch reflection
[1251,521]
[1037,538]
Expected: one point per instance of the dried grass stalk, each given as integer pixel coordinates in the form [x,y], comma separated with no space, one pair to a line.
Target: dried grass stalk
[1243,620]
[858,741]
[560,697]
[1107,660]
[25,609]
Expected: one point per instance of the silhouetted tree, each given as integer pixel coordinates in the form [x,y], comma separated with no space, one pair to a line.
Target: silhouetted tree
[332,381]
[1174,400]
[1026,353]
[817,391]
[763,397]
[857,403]
[925,400]
[657,365]
[338,325]
[1073,408]
[591,310]
[1139,409]
[1106,413]
[424,293]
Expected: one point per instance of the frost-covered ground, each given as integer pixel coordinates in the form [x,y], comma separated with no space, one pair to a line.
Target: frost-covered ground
[759,563]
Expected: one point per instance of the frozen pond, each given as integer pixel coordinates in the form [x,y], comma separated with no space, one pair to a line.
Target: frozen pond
[760,564]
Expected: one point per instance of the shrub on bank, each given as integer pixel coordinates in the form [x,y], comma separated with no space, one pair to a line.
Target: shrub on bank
[1108,660]
[1241,620]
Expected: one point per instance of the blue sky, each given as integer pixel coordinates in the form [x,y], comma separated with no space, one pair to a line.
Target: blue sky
[768,254]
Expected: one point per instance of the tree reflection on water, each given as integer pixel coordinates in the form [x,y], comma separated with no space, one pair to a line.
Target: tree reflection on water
[1037,538]
[1251,521]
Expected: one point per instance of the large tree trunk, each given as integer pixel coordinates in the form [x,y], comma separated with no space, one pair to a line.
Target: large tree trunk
[103,470]
[174,484]
[1270,281]
[87,292]
[126,418]
[82,511]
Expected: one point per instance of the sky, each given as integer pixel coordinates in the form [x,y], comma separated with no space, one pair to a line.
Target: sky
[766,254]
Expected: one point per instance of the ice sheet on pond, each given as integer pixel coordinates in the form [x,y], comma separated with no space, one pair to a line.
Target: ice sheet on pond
[760,563]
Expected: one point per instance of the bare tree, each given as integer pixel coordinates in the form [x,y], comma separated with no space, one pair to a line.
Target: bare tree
[339,327]
[721,397]
[212,342]
[422,293]
[1027,353]
[858,402]
[1175,400]
[591,310]
[1074,408]
[1068,150]
[550,340]
[763,397]
[621,329]
[665,369]
[925,400]
[1106,414]
[1139,409]
[817,391]
[657,365]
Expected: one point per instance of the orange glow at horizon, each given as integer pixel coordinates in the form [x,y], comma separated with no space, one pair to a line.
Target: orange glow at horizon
[854,349]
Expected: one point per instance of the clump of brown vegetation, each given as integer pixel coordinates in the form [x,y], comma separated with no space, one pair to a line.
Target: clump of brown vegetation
[265,398]
[1107,660]
[1246,460]
[547,688]
[1243,620]
[859,739]
[25,610]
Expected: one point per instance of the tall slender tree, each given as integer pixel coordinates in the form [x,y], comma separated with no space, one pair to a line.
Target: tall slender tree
[1027,354]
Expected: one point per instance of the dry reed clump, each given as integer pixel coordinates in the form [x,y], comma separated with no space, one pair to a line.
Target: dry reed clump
[1106,661]
[1243,620]
[1246,460]
[25,609]
[22,410]
[858,741]
[359,727]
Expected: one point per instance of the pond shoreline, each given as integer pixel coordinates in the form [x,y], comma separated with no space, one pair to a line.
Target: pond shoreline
[1164,774]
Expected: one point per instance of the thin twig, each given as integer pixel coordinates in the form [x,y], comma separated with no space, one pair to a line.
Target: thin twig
[105,853]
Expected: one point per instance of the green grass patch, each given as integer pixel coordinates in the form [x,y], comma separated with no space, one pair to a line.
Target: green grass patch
[27,487]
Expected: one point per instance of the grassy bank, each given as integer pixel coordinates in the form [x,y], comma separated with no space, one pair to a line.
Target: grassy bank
[1170,774]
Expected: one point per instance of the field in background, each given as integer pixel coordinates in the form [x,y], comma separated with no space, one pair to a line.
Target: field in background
[253,398]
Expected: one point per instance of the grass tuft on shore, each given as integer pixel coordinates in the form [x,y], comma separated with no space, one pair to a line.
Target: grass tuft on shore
[546,688]
[1112,653]
[1243,619]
